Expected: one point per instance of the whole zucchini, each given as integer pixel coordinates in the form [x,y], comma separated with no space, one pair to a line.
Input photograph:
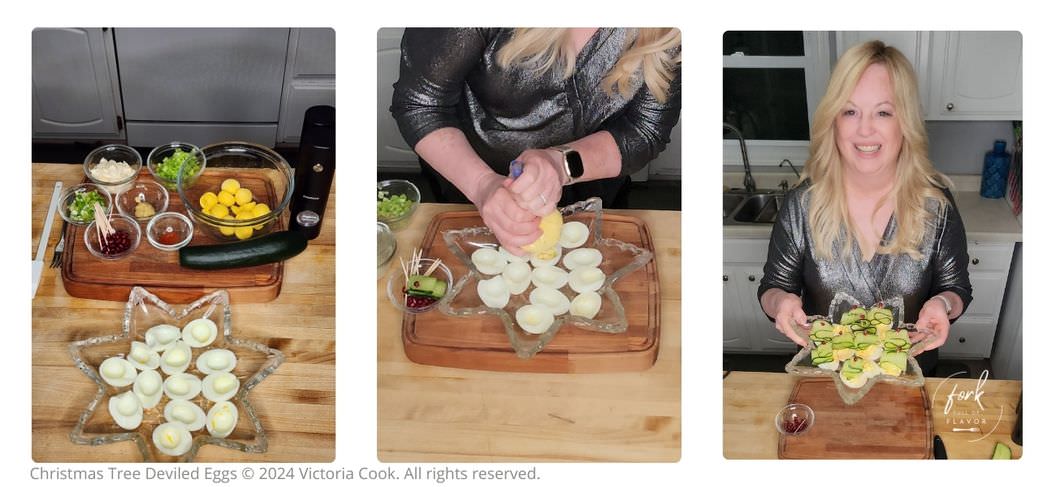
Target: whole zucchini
[262,250]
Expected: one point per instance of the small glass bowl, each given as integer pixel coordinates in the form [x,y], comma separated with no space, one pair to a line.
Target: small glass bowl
[396,187]
[794,419]
[169,222]
[397,284]
[118,153]
[120,223]
[70,194]
[147,191]
[386,248]
[158,155]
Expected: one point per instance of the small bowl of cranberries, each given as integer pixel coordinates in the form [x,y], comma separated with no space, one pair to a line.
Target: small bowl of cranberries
[116,245]
[418,290]
[794,419]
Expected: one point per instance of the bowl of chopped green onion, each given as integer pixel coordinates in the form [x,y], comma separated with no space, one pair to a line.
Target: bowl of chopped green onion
[165,161]
[77,205]
[397,201]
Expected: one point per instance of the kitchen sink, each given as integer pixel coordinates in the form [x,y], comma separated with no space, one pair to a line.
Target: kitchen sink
[747,208]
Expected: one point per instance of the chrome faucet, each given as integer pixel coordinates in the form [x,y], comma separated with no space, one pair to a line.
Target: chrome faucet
[786,161]
[749,182]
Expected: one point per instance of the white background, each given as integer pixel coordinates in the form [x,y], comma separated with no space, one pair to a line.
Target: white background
[702,25]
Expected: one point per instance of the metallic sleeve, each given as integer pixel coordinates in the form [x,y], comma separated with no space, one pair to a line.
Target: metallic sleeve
[950,262]
[643,129]
[788,247]
[433,67]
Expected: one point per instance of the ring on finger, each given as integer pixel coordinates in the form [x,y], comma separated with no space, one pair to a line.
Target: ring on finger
[543,197]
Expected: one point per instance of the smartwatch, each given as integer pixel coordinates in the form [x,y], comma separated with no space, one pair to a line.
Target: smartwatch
[573,163]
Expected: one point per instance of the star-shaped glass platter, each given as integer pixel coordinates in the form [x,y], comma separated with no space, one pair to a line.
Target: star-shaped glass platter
[144,310]
[618,260]
[803,366]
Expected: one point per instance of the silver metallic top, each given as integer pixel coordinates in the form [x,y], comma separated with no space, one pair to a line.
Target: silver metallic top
[794,266]
[451,78]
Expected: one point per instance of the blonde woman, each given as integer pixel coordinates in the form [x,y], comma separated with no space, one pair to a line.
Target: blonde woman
[871,217]
[579,108]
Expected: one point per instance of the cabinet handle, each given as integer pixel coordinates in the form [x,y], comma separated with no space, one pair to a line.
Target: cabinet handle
[961,340]
[725,278]
[975,261]
[949,107]
[751,278]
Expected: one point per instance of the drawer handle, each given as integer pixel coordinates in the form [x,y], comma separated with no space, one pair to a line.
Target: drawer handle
[961,340]
[975,261]
[725,278]
[949,107]
[751,278]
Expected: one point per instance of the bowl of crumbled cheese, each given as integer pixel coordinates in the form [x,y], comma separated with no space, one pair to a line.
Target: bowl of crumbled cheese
[113,167]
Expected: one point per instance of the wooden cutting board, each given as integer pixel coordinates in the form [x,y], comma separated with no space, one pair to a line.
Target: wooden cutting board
[480,342]
[889,422]
[86,276]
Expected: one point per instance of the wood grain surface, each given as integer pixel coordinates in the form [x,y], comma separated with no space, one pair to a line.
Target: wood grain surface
[428,413]
[751,399]
[889,422]
[86,276]
[481,342]
[295,404]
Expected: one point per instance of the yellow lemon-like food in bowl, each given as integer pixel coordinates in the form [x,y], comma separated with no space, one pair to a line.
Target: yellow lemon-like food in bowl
[225,198]
[226,230]
[243,196]
[218,211]
[207,200]
[230,185]
[551,227]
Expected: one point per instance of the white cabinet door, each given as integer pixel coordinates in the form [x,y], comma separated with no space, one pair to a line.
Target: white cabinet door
[765,336]
[912,44]
[75,89]
[976,76]
[735,335]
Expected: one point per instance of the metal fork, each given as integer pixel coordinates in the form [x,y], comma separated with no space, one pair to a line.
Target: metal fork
[56,258]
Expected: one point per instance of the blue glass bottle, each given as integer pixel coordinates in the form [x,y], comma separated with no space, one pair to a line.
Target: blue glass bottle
[995,171]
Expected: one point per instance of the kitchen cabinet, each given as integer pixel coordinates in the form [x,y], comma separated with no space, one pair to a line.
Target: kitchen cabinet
[745,326]
[309,80]
[972,336]
[976,76]
[960,75]
[75,85]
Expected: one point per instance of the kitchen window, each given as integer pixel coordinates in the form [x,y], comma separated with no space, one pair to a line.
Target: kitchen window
[771,85]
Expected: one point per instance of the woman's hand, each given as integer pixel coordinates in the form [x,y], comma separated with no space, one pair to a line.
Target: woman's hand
[932,321]
[538,188]
[511,224]
[788,315]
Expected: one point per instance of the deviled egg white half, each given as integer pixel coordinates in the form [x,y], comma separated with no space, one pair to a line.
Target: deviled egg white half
[219,386]
[142,357]
[221,419]
[199,332]
[147,388]
[172,438]
[518,275]
[582,258]
[551,299]
[488,261]
[186,412]
[534,319]
[160,337]
[586,305]
[176,359]
[117,371]
[494,292]
[182,386]
[126,410]
[549,276]
[586,279]
[216,360]
[573,234]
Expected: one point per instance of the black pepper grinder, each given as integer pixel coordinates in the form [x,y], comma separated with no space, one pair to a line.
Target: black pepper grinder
[1017,432]
[315,170]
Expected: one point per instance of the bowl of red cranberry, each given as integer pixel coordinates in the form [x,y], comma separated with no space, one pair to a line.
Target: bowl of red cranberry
[794,419]
[418,286]
[117,240]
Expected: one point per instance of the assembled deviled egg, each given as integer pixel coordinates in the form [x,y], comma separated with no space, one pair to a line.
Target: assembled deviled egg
[221,419]
[117,371]
[162,337]
[172,438]
[182,386]
[185,412]
[219,386]
[147,388]
[199,333]
[216,360]
[126,410]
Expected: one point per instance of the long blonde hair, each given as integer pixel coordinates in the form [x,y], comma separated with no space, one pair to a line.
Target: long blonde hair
[646,52]
[916,180]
